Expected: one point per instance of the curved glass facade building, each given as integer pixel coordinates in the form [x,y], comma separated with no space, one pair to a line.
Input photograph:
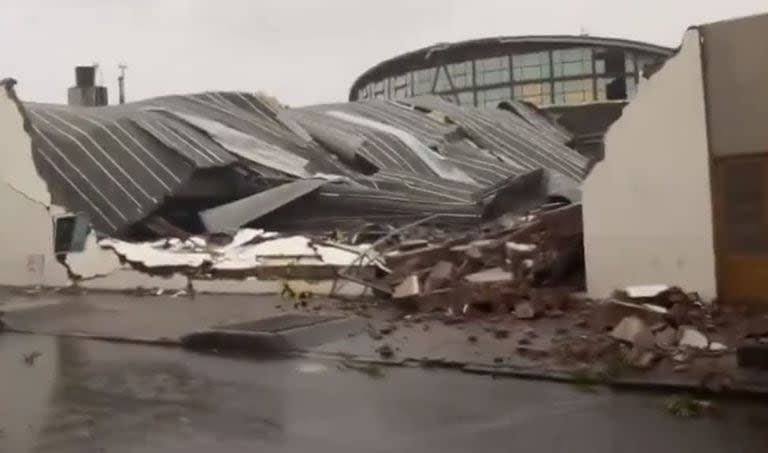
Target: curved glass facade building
[543,70]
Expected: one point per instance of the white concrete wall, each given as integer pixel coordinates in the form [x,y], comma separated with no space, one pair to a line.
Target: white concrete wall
[647,208]
[26,226]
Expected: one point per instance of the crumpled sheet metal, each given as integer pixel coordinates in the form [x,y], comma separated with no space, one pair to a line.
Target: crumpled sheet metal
[119,164]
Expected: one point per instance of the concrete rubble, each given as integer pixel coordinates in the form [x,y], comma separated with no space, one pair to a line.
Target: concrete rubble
[514,278]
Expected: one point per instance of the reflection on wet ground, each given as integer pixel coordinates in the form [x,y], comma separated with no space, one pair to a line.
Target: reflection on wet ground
[87,396]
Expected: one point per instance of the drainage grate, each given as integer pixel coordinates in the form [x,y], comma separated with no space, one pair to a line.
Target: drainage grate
[279,323]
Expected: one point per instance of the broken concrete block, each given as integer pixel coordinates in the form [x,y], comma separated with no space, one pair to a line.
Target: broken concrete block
[525,310]
[501,334]
[529,332]
[717,347]
[385,351]
[441,299]
[493,275]
[519,248]
[407,288]
[666,338]
[678,314]
[609,313]
[474,253]
[439,276]
[645,360]
[644,291]
[633,330]
[690,337]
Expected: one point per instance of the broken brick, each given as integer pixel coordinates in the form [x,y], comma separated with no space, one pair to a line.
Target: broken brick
[524,310]
[385,351]
[607,314]
[666,338]
[645,360]
[407,288]
[501,334]
[633,330]
[690,337]
[439,276]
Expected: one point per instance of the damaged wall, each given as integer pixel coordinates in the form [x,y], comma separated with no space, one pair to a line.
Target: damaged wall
[26,257]
[647,208]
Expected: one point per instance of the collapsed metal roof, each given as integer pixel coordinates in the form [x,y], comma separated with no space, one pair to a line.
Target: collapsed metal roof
[374,160]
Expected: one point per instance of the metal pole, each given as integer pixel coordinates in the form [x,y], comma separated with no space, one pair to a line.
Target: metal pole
[121,83]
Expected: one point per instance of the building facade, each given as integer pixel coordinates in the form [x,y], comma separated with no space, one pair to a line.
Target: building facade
[543,70]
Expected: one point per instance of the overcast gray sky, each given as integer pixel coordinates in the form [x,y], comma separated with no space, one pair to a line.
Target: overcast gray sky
[302,51]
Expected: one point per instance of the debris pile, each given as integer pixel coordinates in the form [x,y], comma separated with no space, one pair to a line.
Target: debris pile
[526,265]
[249,253]
[645,327]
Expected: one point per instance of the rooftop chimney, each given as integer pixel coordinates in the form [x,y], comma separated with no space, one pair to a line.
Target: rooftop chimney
[85,93]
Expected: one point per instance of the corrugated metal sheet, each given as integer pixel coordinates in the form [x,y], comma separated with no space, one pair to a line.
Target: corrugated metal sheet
[119,164]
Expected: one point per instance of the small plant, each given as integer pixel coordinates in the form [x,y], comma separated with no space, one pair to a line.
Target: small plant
[687,406]
[584,380]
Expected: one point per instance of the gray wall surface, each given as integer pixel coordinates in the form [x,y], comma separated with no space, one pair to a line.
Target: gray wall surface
[736,80]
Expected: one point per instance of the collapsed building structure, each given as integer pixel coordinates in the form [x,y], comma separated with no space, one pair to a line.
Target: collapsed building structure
[83,182]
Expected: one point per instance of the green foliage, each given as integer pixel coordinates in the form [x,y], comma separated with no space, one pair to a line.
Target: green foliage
[687,406]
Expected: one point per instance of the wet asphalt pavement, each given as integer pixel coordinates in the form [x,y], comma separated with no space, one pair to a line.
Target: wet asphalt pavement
[87,396]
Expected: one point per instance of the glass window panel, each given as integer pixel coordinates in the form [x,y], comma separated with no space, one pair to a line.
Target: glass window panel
[422,80]
[629,62]
[442,84]
[599,66]
[362,94]
[573,91]
[570,62]
[643,61]
[601,88]
[461,74]
[531,66]
[611,61]
[491,71]
[399,86]
[612,88]
[466,98]
[631,87]
[535,93]
[489,98]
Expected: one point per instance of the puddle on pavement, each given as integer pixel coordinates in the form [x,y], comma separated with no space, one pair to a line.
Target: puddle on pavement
[29,366]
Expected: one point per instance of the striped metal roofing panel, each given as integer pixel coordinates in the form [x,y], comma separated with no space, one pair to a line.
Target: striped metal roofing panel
[119,164]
